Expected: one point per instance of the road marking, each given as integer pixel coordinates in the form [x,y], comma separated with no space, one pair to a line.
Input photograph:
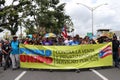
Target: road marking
[100,75]
[20,76]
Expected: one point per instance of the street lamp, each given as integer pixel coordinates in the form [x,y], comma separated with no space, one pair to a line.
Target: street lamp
[21,32]
[92,9]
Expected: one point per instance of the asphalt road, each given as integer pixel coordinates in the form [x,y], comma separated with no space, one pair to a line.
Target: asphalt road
[108,73]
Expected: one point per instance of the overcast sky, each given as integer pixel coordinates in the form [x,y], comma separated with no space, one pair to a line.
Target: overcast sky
[105,16]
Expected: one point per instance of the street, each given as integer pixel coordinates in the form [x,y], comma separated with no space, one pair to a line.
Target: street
[108,73]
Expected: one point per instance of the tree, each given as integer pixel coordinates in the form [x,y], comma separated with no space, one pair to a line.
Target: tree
[37,16]
[2,2]
[47,16]
[10,17]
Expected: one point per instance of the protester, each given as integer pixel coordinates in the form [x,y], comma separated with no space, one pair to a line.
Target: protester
[68,40]
[74,41]
[15,53]
[60,41]
[78,38]
[115,45]
[86,40]
[6,52]
[92,41]
[26,40]
[47,41]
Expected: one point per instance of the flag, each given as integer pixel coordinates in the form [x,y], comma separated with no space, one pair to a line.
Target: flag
[64,32]
[105,51]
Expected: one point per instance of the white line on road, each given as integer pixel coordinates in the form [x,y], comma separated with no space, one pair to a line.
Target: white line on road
[20,76]
[100,75]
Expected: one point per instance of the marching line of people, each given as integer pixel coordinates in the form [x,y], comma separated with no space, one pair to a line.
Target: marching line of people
[9,50]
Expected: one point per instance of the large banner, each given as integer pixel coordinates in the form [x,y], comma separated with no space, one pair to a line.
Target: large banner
[66,57]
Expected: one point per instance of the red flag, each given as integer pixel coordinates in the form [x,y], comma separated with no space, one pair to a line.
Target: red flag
[64,32]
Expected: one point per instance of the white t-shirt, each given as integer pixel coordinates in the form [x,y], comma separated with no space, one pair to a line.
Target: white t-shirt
[67,42]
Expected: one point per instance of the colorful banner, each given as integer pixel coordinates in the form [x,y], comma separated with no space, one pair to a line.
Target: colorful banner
[66,57]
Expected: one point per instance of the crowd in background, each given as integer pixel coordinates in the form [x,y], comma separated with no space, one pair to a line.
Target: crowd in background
[9,50]
[76,40]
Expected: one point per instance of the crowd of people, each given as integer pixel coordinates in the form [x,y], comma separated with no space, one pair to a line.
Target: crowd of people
[9,50]
[76,40]
[9,53]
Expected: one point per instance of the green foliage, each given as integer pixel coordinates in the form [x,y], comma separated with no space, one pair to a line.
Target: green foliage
[2,2]
[37,16]
[48,16]
[10,17]
[1,30]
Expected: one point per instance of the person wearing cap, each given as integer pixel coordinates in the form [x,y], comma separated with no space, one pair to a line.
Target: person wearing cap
[15,53]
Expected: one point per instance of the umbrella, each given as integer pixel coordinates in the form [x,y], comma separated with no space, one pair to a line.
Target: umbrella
[50,35]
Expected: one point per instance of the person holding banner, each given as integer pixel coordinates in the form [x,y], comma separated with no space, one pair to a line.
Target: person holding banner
[115,46]
[15,53]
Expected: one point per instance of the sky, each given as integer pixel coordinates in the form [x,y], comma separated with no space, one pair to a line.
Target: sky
[104,16]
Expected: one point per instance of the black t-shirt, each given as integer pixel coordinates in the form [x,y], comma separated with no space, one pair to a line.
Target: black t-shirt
[6,47]
[115,45]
